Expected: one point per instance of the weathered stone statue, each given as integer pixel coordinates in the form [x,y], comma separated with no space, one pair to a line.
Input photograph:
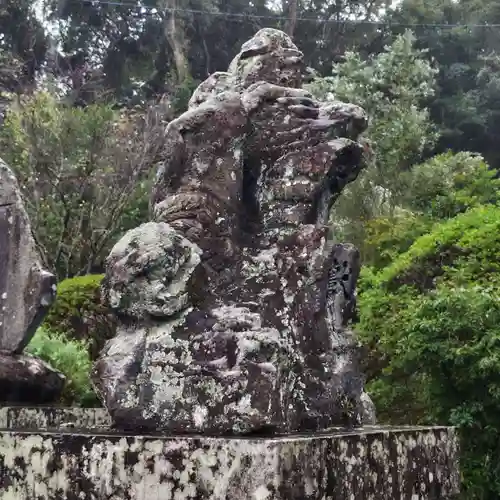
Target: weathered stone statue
[234,308]
[26,293]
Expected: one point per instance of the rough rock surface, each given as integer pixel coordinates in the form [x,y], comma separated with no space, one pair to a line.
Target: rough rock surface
[26,289]
[234,308]
[373,464]
[28,380]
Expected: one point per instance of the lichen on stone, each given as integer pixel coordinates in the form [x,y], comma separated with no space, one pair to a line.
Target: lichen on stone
[369,464]
[234,312]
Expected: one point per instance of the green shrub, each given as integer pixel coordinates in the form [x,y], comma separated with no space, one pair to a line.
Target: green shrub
[435,191]
[466,247]
[387,237]
[71,358]
[79,314]
[449,184]
[431,321]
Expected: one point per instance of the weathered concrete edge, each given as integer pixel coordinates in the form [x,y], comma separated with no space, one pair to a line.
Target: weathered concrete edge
[368,464]
[22,417]
[88,419]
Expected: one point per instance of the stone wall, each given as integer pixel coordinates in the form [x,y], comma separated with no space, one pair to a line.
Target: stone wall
[370,464]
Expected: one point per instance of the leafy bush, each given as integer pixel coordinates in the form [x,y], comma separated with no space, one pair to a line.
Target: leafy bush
[431,321]
[85,174]
[464,248]
[79,314]
[449,184]
[387,237]
[392,87]
[440,188]
[71,358]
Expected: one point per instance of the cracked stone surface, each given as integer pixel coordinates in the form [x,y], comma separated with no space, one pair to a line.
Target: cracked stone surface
[369,464]
[234,308]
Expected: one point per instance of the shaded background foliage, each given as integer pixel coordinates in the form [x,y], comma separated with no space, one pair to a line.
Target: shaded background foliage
[86,88]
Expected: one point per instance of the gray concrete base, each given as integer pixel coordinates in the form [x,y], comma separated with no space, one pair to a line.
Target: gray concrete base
[366,464]
[22,417]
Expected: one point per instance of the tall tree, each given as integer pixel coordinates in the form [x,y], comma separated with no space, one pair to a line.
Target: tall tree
[459,39]
[392,87]
[148,47]
[23,36]
[174,33]
[290,9]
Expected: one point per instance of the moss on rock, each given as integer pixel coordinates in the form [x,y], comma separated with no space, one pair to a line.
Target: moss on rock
[80,314]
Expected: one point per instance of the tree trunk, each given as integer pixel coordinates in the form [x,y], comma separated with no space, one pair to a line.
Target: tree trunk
[290,8]
[173,28]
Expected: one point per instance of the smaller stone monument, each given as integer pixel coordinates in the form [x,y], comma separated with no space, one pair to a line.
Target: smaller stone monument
[26,293]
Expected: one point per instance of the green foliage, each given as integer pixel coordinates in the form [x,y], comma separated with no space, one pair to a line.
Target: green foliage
[71,358]
[465,106]
[387,237]
[133,54]
[23,37]
[81,171]
[449,184]
[79,314]
[440,188]
[431,321]
[392,88]
[463,248]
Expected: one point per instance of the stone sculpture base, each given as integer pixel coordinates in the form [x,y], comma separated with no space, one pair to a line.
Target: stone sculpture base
[26,379]
[370,463]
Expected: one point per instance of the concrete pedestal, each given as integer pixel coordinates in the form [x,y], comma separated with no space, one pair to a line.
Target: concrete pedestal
[367,464]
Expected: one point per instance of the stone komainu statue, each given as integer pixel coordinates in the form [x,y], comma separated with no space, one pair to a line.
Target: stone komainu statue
[234,309]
